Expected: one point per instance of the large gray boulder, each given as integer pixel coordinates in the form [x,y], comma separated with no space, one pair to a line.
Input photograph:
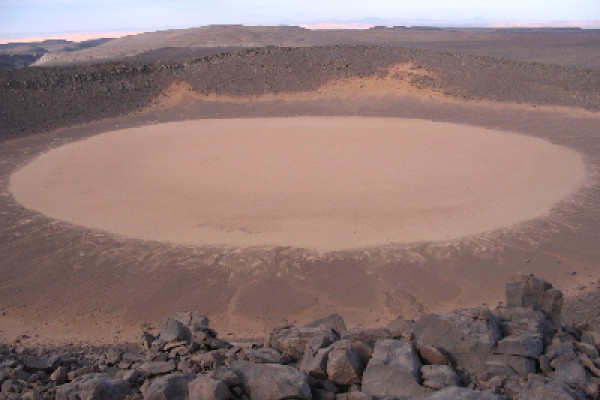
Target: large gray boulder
[344,366]
[468,336]
[168,387]
[205,388]
[527,291]
[394,370]
[93,387]
[272,381]
[172,330]
[333,321]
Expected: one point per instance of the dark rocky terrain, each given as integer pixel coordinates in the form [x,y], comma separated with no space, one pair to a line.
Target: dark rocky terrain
[37,99]
[521,351]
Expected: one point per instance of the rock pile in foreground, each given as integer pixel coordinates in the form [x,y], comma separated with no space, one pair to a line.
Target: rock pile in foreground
[520,351]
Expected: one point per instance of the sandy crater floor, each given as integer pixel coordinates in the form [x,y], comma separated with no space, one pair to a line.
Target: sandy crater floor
[325,183]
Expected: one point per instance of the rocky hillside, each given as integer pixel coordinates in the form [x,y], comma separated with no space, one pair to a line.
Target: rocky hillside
[37,99]
[521,351]
[556,46]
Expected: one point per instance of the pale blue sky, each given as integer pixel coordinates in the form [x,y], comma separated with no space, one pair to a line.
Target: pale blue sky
[33,17]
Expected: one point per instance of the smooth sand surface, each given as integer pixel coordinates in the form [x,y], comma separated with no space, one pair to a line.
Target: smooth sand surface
[319,182]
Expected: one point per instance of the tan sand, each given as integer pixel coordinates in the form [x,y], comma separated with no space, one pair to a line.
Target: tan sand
[319,182]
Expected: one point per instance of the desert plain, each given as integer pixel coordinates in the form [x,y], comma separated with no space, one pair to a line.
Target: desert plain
[272,186]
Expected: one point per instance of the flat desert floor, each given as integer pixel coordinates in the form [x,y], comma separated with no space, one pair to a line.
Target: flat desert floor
[325,183]
[268,212]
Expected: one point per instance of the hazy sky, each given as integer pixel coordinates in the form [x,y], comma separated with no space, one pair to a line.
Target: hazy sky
[33,17]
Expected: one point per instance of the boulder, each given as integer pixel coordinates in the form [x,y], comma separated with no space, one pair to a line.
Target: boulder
[172,330]
[334,322]
[315,364]
[439,376]
[272,381]
[168,387]
[467,336]
[93,387]
[193,320]
[344,366]
[527,291]
[394,370]
[205,388]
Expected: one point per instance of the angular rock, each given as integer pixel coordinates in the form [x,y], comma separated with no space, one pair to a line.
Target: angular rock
[344,367]
[439,376]
[46,363]
[457,393]
[93,387]
[172,330]
[334,322]
[272,381]
[316,364]
[59,376]
[157,367]
[205,388]
[394,370]
[525,346]
[225,375]
[168,387]
[527,291]
[195,321]
[466,336]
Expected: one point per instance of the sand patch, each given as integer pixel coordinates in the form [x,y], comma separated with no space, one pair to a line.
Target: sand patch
[318,182]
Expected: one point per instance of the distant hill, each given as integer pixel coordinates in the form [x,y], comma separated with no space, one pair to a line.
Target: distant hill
[547,45]
[22,54]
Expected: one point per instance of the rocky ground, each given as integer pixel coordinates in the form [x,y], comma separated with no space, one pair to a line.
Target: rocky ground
[520,351]
[37,99]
